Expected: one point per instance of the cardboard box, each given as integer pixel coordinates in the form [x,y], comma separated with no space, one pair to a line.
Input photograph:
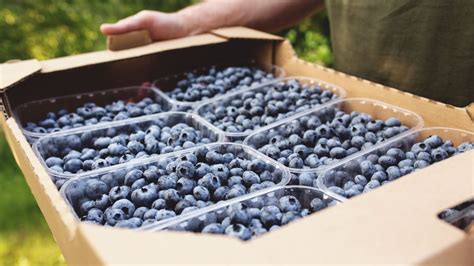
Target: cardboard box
[394,224]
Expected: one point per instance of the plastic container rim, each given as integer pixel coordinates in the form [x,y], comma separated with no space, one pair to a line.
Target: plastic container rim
[197,213]
[124,122]
[319,178]
[177,103]
[338,101]
[341,92]
[152,159]
[39,135]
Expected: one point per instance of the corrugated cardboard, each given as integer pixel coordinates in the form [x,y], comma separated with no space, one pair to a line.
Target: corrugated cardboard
[394,224]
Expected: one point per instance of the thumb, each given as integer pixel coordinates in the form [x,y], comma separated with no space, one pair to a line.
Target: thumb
[140,21]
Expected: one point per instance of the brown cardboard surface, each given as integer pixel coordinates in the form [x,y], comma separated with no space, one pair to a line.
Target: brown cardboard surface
[128,40]
[93,58]
[11,73]
[244,33]
[394,224]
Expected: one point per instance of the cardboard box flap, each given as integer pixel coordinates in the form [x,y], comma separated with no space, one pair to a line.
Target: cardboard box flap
[12,73]
[470,111]
[94,58]
[245,33]
[128,40]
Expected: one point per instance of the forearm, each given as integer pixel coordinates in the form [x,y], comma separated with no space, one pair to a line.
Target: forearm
[267,15]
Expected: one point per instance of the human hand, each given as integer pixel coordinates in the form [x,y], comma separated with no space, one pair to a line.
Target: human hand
[161,26]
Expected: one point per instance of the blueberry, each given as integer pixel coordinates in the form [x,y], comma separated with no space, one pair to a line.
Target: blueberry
[393,173]
[386,161]
[289,204]
[214,157]
[185,169]
[221,171]
[164,214]
[145,196]
[119,192]
[367,168]
[338,152]
[393,122]
[114,215]
[102,202]
[95,188]
[465,146]
[209,181]
[360,179]
[337,190]
[249,178]
[405,163]
[306,179]
[296,162]
[270,215]
[86,206]
[373,184]
[234,192]
[182,204]
[379,176]
[220,193]
[102,142]
[125,206]
[185,185]
[53,161]
[73,165]
[438,154]
[150,214]
[214,228]
[238,214]
[94,216]
[132,176]
[317,204]
[135,146]
[239,231]
[171,196]
[201,193]
[425,156]
[433,141]
[139,212]
[420,147]
[419,164]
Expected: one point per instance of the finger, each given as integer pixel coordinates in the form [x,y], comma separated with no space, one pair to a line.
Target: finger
[139,21]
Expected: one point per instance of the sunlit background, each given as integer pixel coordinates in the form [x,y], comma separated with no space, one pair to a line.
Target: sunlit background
[45,29]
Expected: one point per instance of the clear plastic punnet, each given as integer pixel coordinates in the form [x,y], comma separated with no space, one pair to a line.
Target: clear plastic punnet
[293,203]
[81,191]
[352,176]
[322,115]
[168,83]
[91,142]
[36,111]
[314,95]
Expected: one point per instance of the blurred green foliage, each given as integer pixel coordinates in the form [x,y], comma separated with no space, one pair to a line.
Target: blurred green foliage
[45,29]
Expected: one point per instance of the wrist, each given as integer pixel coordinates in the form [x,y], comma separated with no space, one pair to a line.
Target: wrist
[189,23]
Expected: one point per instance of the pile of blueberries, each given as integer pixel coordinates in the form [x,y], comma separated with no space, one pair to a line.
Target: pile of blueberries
[92,114]
[195,87]
[91,150]
[379,169]
[257,108]
[255,217]
[324,137]
[135,196]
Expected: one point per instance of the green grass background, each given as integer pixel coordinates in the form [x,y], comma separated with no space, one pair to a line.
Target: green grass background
[45,29]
